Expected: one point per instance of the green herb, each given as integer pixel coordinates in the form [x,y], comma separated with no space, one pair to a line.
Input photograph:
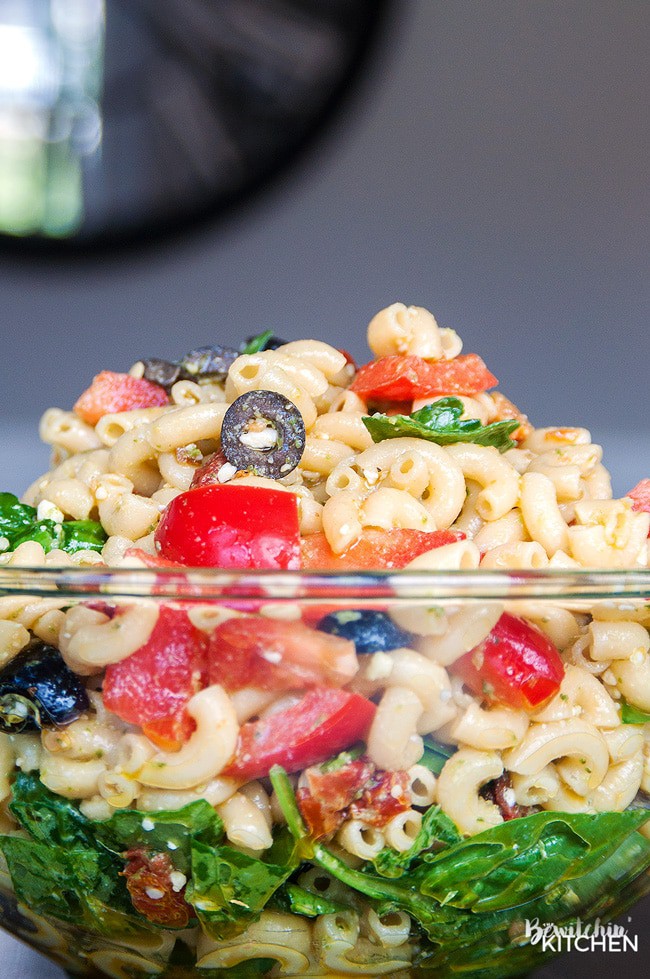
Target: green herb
[435,755]
[19,523]
[632,715]
[257,343]
[441,422]
[229,889]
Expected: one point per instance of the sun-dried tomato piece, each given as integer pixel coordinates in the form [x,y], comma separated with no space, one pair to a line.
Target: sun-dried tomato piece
[154,893]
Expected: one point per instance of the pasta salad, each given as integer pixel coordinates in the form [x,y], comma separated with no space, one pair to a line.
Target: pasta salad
[356,778]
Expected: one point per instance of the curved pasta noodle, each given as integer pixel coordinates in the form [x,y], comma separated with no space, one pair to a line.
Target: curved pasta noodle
[458,789]
[208,750]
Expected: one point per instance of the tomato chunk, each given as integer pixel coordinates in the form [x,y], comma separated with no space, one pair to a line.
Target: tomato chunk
[276,655]
[408,377]
[149,882]
[377,550]
[111,392]
[153,686]
[231,527]
[320,725]
[516,665]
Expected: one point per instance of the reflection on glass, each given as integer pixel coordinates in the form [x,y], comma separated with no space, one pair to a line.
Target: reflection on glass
[51,59]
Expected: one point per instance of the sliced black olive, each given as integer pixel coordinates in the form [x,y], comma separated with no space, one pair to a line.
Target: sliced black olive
[370,631]
[213,362]
[263,433]
[38,690]
[163,372]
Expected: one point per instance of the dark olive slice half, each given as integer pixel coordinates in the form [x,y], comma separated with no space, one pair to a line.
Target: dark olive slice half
[263,433]
[38,690]
[163,372]
[213,362]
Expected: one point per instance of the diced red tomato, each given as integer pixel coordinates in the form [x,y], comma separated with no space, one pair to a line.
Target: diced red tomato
[231,527]
[375,550]
[406,378]
[277,655]
[111,392]
[516,665]
[640,497]
[320,725]
[149,882]
[153,686]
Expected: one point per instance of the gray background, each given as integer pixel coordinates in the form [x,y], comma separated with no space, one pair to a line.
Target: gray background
[492,167]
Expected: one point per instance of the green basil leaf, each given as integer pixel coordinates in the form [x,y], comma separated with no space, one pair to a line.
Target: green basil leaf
[441,422]
[632,715]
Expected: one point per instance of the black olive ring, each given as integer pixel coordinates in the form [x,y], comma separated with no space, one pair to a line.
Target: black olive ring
[281,415]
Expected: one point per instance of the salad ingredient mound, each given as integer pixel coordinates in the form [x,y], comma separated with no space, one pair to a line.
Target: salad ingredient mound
[360,776]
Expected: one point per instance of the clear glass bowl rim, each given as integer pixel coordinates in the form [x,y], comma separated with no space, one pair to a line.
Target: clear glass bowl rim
[364,588]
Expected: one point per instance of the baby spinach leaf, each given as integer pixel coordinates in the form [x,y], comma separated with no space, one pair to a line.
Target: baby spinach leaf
[19,523]
[229,888]
[435,755]
[49,818]
[524,858]
[437,830]
[292,897]
[168,831]
[441,422]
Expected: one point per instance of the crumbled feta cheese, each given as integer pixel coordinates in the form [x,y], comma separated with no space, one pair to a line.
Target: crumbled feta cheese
[509,797]
[154,893]
[445,695]
[101,493]
[226,472]
[638,657]
[171,845]
[371,476]
[380,666]
[48,511]
[148,824]
[178,880]
[266,439]
[4,543]
[271,656]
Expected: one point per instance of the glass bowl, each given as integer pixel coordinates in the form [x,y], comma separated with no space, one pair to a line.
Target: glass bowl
[375,818]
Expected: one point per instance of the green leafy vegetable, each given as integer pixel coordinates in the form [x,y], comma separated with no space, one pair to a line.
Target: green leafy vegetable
[230,889]
[257,343]
[19,523]
[292,897]
[168,831]
[437,831]
[435,755]
[632,715]
[441,422]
